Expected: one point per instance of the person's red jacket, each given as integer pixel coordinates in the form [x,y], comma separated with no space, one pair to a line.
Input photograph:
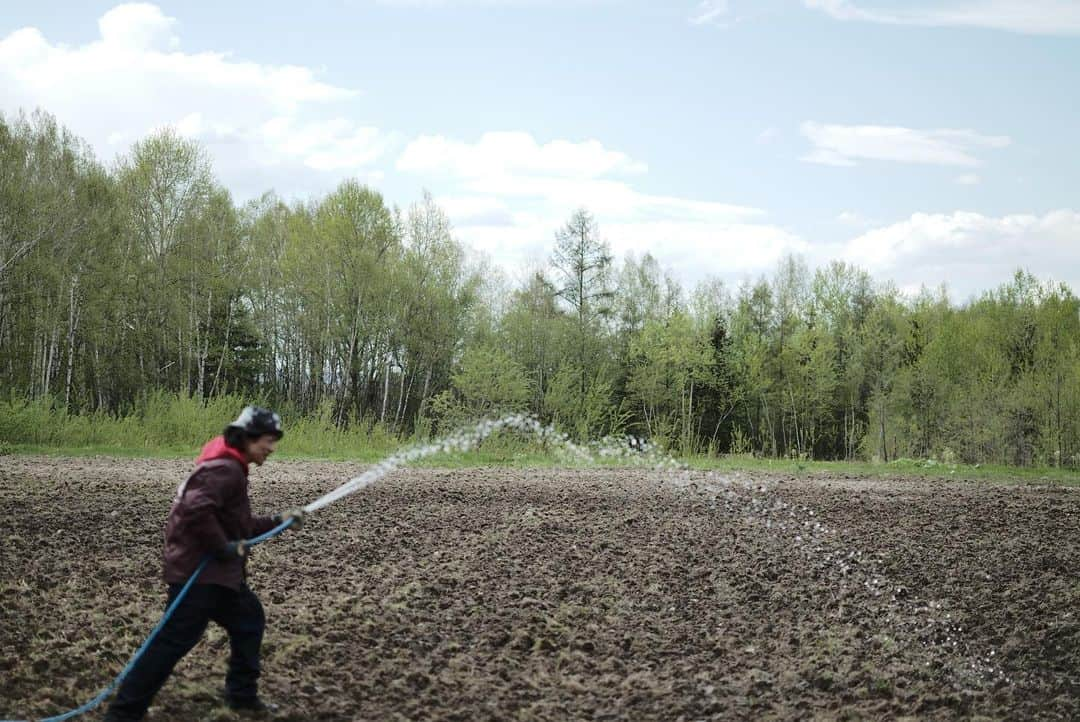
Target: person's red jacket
[211,509]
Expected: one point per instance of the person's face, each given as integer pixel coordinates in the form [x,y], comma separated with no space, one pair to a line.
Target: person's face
[260,448]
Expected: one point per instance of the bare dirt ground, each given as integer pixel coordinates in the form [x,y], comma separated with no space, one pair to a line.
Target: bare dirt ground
[554,595]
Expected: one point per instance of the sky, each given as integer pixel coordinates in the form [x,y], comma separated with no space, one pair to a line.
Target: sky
[926,141]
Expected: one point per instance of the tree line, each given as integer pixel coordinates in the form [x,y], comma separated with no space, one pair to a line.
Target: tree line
[146,277]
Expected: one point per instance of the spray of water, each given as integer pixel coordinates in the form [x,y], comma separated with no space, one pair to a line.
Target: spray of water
[930,621]
[630,450]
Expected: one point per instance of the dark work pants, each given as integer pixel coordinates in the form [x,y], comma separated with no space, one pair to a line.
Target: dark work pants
[241,615]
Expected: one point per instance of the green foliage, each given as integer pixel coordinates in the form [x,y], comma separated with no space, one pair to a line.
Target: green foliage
[171,425]
[490,382]
[139,307]
[163,420]
[671,363]
[533,331]
[584,414]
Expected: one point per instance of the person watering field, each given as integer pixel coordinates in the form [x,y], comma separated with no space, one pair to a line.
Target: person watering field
[207,536]
[211,515]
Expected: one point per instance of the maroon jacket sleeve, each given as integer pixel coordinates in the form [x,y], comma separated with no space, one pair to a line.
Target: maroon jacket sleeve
[239,503]
[219,508]
[262,524]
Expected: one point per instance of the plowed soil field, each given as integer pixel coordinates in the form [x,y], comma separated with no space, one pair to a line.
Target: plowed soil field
[612,594]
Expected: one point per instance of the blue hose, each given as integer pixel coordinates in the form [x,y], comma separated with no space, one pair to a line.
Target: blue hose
[104,694]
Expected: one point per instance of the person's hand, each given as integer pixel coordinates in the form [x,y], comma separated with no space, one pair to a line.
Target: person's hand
[297,516]
[233,550]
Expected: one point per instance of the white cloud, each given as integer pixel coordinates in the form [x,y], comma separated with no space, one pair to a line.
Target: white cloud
[567,173]
[968,179]
[692,251]
[513,153]
[845,145]
[139,26]
[970,251]
[134,78]
[852,219]
[477,211]
[329,145]
[507,194]
[1035,17]
[709,11]
[768,135]
[697,249]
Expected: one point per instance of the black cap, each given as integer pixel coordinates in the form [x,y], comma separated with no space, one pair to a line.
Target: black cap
[256,421]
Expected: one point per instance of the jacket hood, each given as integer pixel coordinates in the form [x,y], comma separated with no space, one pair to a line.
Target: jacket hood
[216,448]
